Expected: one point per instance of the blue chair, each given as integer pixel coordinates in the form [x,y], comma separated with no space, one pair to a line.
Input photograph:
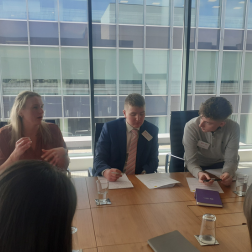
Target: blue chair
[178,121]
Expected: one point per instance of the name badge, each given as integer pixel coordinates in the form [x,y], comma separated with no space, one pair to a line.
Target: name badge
[203,145]
[147,135]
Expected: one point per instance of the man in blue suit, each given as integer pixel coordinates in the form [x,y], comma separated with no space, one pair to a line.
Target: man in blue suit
[114,146]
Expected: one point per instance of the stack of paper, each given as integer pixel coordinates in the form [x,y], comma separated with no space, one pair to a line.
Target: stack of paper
[122,182]
[194,183]
[157,180]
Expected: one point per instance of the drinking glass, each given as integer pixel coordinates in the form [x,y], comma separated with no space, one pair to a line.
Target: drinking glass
[207,231]
[102,190]
[75,243]
[241,184]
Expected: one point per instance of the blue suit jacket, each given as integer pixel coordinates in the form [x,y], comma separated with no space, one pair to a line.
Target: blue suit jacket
[111,148]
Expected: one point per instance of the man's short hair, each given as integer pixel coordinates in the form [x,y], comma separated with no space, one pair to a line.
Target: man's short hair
[134,100]
[216,108]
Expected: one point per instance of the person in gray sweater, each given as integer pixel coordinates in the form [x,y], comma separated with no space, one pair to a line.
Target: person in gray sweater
[212,141]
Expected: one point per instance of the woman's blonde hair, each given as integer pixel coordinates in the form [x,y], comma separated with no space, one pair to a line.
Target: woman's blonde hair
[247,209]
[16,120]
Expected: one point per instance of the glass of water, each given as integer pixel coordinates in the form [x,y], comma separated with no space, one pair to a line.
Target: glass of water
[102,190]
[241,184]
[207,231]
[75,242]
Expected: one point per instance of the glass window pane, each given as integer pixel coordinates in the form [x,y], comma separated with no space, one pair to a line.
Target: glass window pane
[130,12]
[234,100]
[249,40]
[44,33]
[160,122]
[175,103]
[200,99]
[189,102]
[15,69]
[177,38]
[130,71]
[103,11]
[245,128]
[72,34]
[45,65]
[105,106]
[131,36]
[247,79]
[193,13]
[231,66]
[43,10]
[12,9]
[73,10]
[235,10]
[52,106]
[190,71]
[209,13]
[250,15]
[206,72]
[157,13]
[157,37]
[78,127]
[233,40]
[104,35]
[178,13]
[76,106]
[176,69]
[156,105]
[121,104]
[8,103]
[209,39]
[13,32]
[156,72]
[104,68]
[246,106]
[75,71]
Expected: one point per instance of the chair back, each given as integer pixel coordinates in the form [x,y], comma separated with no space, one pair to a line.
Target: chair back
[3,124]
[178,121]
[50,121]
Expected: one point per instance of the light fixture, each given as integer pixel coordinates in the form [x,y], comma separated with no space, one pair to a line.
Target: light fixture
[242,2]
[212,0]
[216,7]
[237,8]
[155,3]
[123,1]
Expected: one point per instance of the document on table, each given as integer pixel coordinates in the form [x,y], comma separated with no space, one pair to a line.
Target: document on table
[194,183]
[122,182]
[157,180]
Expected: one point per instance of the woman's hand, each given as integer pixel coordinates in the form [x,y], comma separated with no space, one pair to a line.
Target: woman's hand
[21,146]
[54,156]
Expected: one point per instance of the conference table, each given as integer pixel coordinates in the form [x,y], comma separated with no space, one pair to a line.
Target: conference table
[138,214]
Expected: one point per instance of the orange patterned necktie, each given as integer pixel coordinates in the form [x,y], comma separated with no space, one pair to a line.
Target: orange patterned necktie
[131,162]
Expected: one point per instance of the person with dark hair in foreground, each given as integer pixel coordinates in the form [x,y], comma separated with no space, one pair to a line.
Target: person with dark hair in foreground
[127,144]
[37,205]
[27,136]
[211,141]
[247,209]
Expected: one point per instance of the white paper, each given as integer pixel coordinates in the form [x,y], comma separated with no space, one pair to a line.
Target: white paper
[122,182]
[157,180]
[194,183]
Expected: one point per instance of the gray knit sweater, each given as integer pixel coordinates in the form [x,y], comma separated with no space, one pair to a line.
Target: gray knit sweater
[224,145]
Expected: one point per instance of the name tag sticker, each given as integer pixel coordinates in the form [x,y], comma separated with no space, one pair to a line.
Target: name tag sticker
[203,145]
[147,135]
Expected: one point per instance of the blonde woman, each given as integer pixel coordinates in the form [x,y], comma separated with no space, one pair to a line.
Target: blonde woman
[28,137]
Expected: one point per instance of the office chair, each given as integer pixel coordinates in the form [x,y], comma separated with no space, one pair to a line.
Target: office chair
[98,129]
[2,124]
[178,121]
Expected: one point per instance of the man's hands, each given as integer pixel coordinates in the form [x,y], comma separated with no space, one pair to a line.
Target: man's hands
[53,156]
[202,176]
[112,174]
[21,146]
[226,179]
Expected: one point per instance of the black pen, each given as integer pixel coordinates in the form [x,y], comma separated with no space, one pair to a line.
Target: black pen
[214,179]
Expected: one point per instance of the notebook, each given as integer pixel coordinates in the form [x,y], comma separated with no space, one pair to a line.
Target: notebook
[171,242]
[208,198]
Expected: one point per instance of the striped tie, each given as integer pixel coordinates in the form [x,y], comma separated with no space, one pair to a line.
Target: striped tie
[131,162]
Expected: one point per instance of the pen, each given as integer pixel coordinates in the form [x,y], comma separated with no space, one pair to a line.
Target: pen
[214,179]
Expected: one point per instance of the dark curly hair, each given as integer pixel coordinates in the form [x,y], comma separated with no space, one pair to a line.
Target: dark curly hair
[216,108]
